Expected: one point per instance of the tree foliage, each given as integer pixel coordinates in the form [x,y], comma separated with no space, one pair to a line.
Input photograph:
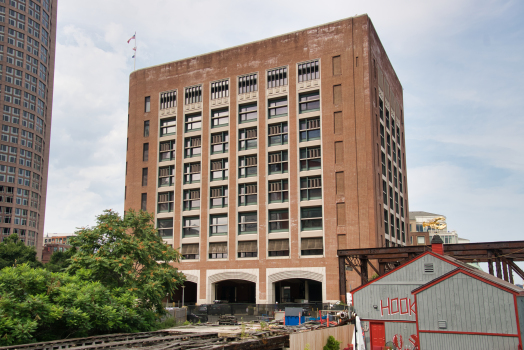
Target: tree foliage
[332,344]
[14,252]
[128,253]
[60,261]
[39,305]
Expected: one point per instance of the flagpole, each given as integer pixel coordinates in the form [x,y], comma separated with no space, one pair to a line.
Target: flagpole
[134,63]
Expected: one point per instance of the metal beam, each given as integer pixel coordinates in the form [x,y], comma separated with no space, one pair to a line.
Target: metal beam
[516,269]
[342,278]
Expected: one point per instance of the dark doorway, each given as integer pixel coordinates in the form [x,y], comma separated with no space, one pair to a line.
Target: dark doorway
[235,291]
[298,290]
[190,294]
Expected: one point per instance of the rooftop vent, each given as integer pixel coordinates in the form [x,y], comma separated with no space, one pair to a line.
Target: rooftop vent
[429,268]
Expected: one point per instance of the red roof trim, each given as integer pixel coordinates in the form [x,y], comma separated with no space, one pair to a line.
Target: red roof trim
[457,271]
[403,265]
[385,321]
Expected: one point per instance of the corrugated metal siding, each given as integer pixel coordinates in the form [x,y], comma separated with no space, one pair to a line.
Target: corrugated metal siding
[434,341]
[402,329]
[414,272]
[468,305]
[520,307]
[398,284]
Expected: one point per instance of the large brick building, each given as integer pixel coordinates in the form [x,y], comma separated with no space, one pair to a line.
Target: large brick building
[27,55]
[261,160]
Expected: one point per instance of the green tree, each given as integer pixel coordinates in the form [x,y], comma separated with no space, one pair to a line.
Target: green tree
[14,252]
[128,253]
[60,261]
[332,344]
[39,305]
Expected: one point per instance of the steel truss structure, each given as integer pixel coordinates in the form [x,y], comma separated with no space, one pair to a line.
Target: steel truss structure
[500,256]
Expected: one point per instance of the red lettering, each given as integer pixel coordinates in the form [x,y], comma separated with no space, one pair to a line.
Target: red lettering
[391,307]
[384,307]
[407,308]
[411,310]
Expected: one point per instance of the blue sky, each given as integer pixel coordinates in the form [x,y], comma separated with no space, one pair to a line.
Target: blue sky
[459,61]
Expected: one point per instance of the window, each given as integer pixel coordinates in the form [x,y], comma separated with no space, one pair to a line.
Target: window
[190,251]
[193,94]
[277,134]
[190,226]
[220,89]
[311,246]
[144,176]
[247,194]
[311,218]
[148,104]
[277,107]
[146,128]
[219,169]
[165,202]
[145,152]
[278,247]
[219,142]
[279,220]
[191,173]
[167,150]
[247,223]
[167,126]
[247,139]
[219,197]
[383,159]
[193,147]
[392,225]
[192,199]
[247,249]
[247,83]
[165,228]
[278,162]
[310,158]
[168,100]
[166,176]
[309,102]
[309,129]
[248,113]
[278,191]
[193,122]
[247,166]
[219,118]
[308,71]
[310,188]
[385,192]
[218,250]
[218,225]
[276,77]
[143,202]
[381,108]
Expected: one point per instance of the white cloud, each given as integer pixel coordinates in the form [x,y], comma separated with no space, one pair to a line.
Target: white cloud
[458,60]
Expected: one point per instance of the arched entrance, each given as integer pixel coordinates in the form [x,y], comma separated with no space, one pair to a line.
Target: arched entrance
[190,294]
[233,287]
[296,286]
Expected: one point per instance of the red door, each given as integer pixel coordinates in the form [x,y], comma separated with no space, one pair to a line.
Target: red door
[378,335]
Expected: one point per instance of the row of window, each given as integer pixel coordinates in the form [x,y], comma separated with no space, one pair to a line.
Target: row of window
[246,83]
[249,249]
[309,130]
[278,192]
[247,113]
[278,221]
